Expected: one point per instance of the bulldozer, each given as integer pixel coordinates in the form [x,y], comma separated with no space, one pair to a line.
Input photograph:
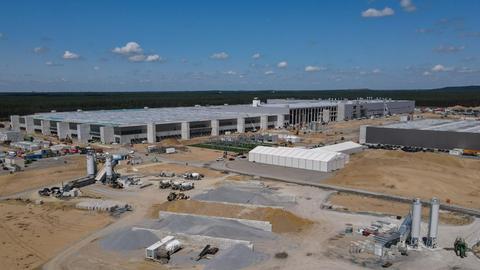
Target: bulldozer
[460,247]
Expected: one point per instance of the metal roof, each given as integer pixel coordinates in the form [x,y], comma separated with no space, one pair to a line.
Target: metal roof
[471,126]
[132,117]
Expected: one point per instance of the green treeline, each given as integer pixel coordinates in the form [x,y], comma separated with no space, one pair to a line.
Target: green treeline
[29,103]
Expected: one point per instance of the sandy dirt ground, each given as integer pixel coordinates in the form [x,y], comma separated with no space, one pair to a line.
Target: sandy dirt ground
[282,221]
[423,175]
[357,203]
[156,168]
[349,130]
[195,154]
[75,167]
[31,234]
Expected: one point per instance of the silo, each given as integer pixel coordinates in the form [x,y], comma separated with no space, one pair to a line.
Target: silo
[108,167]
[433,224]
[91,164]
[416,221]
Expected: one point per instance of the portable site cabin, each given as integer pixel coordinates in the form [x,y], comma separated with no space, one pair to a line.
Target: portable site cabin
[308,159]
[151,251]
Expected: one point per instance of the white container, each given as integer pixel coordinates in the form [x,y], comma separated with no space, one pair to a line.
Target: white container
[170,150]
[173,246]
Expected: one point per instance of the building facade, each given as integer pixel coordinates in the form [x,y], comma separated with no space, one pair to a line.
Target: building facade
[154,124]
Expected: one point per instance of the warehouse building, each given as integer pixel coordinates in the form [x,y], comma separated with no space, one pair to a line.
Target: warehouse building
[154,124]
[426,133]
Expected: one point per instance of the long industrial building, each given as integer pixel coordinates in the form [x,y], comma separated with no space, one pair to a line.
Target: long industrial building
[426,133]
[154,124]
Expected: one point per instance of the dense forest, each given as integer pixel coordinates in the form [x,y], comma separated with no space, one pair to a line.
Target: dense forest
[32,102]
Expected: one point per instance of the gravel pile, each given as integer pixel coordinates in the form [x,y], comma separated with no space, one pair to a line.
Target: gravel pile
[210,226]
[128,240]
[236,257]
[246,194]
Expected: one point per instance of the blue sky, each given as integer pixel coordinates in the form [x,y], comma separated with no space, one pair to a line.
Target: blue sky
[238,45]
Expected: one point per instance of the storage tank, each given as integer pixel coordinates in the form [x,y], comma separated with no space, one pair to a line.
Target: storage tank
[108,166]
[416,221]
[91,168]
[433,223]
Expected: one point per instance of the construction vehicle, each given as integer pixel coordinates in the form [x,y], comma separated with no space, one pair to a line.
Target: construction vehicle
[460,247]
[186,186]
[165,184]
[175,197]
[207,250]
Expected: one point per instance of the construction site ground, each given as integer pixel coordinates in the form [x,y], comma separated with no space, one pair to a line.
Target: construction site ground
[42,173]
[32,234]
[302,228]
[363,204]
[424,175]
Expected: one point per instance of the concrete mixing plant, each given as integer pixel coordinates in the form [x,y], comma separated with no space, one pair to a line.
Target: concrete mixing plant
[109,168]
[433,224]
[91,166]
[416,222]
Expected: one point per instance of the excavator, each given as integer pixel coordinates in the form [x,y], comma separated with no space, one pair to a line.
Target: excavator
[460,247]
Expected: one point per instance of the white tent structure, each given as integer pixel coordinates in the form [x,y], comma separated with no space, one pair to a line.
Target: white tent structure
[348,147]
[309,159]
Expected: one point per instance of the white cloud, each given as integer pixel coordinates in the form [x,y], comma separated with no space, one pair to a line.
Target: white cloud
[376,71]
[40,49]
[313,68]
[256,55]
[407,5]
[96,68]
[282,64]
[145,58]
[52,64]
[70,55]
[129,48]
[153,58]
[427,73]
[269,72]
[231,72]
[449,49]
[441,68]
[1,35]
[372,13]
[220,56]
[137,58]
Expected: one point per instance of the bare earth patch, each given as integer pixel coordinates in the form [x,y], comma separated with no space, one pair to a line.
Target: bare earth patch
[38,177]
[282,221]
[423,175]
[156,168]
[357,203]
[32,234]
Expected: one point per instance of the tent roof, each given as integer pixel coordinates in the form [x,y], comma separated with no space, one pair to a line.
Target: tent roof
[308,154]
[340,147]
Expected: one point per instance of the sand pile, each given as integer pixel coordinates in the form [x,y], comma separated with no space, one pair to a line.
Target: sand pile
[282,221]
[128,240]
[235,257]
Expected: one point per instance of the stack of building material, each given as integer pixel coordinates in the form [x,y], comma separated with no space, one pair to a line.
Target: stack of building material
[99,205]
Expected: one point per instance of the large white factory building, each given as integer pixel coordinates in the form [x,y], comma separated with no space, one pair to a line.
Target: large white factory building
[153,124]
